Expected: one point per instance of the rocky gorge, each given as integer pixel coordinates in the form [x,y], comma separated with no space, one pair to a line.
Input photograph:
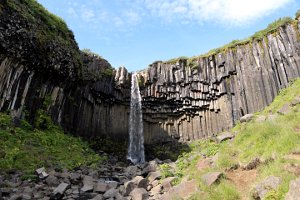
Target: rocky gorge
[185,99]
[49,88]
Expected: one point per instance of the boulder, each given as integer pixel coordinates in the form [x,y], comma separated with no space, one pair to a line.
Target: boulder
[150,167]
[182,191]
[87,188]
[223,137]
[131,171]
[129,186]
[111,193]
[52,181]
[167,183]
[211,178]
[100,187]
[153,176]
[203,164]
[140,182]
[156,190]
[75,178]
[247,118]
[295,102]
[284,110]
[98,197]
[139,194]
[59,191]
[41,172]
[262,188]
[294,190]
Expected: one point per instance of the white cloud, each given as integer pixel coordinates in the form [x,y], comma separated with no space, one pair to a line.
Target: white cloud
[234,12]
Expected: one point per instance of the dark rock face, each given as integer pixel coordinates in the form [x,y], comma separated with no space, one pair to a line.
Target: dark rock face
[192,103]
[81,92]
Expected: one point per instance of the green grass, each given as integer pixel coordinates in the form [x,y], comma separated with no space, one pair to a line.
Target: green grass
[48,34]
[26,149]
[269,140]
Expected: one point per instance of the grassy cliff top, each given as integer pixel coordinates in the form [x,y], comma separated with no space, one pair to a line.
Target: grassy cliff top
[258,36]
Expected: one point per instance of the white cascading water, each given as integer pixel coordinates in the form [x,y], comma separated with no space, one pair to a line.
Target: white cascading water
[136,136]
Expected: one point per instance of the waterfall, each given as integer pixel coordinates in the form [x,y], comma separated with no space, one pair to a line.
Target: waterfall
[136,136]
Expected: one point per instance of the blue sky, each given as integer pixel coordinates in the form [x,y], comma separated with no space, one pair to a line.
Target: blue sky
[135,33]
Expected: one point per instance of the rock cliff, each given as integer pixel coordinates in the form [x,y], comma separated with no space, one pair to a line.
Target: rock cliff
[41,67]
[191,101]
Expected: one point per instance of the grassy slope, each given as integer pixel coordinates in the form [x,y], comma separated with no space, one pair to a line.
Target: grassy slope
[268,139]
[25,149]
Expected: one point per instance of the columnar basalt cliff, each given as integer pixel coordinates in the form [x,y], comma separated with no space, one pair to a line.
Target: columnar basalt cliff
[41,67]
[189,103]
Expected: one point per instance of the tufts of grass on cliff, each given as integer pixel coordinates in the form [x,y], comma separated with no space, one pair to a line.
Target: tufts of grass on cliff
[258,36]
[26,149]
[275,141]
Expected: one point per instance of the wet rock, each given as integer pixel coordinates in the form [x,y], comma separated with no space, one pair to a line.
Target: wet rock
[224,136]
[294,190]
[211,178]
[59,191]
[247,118]
[261,189]
[139,194]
